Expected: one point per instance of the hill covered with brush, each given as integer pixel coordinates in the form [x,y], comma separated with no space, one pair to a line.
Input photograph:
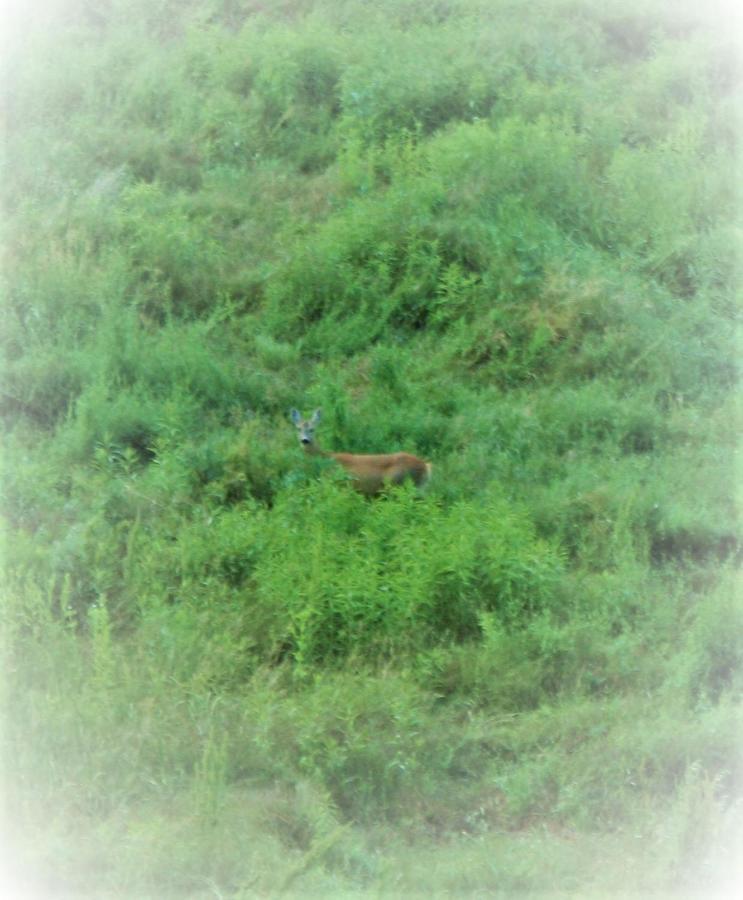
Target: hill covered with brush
[501,236]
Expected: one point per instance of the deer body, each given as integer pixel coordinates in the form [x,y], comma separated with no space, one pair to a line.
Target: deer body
[370,472]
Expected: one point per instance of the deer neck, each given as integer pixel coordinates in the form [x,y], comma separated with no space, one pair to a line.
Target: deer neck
[314,450]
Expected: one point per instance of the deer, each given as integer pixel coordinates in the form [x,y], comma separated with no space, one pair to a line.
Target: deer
[370,473]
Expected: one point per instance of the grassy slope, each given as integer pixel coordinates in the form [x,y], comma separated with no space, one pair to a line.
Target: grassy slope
[501,236]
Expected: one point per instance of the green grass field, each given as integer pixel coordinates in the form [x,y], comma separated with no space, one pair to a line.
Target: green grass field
[502,236]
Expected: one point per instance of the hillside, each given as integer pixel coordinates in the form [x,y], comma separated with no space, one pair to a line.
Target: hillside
[504,237]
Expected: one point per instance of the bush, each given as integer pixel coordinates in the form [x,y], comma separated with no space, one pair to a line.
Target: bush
[339,577]
[170,250]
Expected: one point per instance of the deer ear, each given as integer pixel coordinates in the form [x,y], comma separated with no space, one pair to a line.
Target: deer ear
[295,416]
[315,417]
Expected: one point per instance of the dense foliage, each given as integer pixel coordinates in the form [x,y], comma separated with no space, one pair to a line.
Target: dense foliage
[502,236]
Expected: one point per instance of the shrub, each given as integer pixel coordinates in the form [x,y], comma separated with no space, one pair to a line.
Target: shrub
[168,249]
[340,577]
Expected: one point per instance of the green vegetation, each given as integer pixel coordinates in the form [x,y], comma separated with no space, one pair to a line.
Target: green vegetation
[502,236]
